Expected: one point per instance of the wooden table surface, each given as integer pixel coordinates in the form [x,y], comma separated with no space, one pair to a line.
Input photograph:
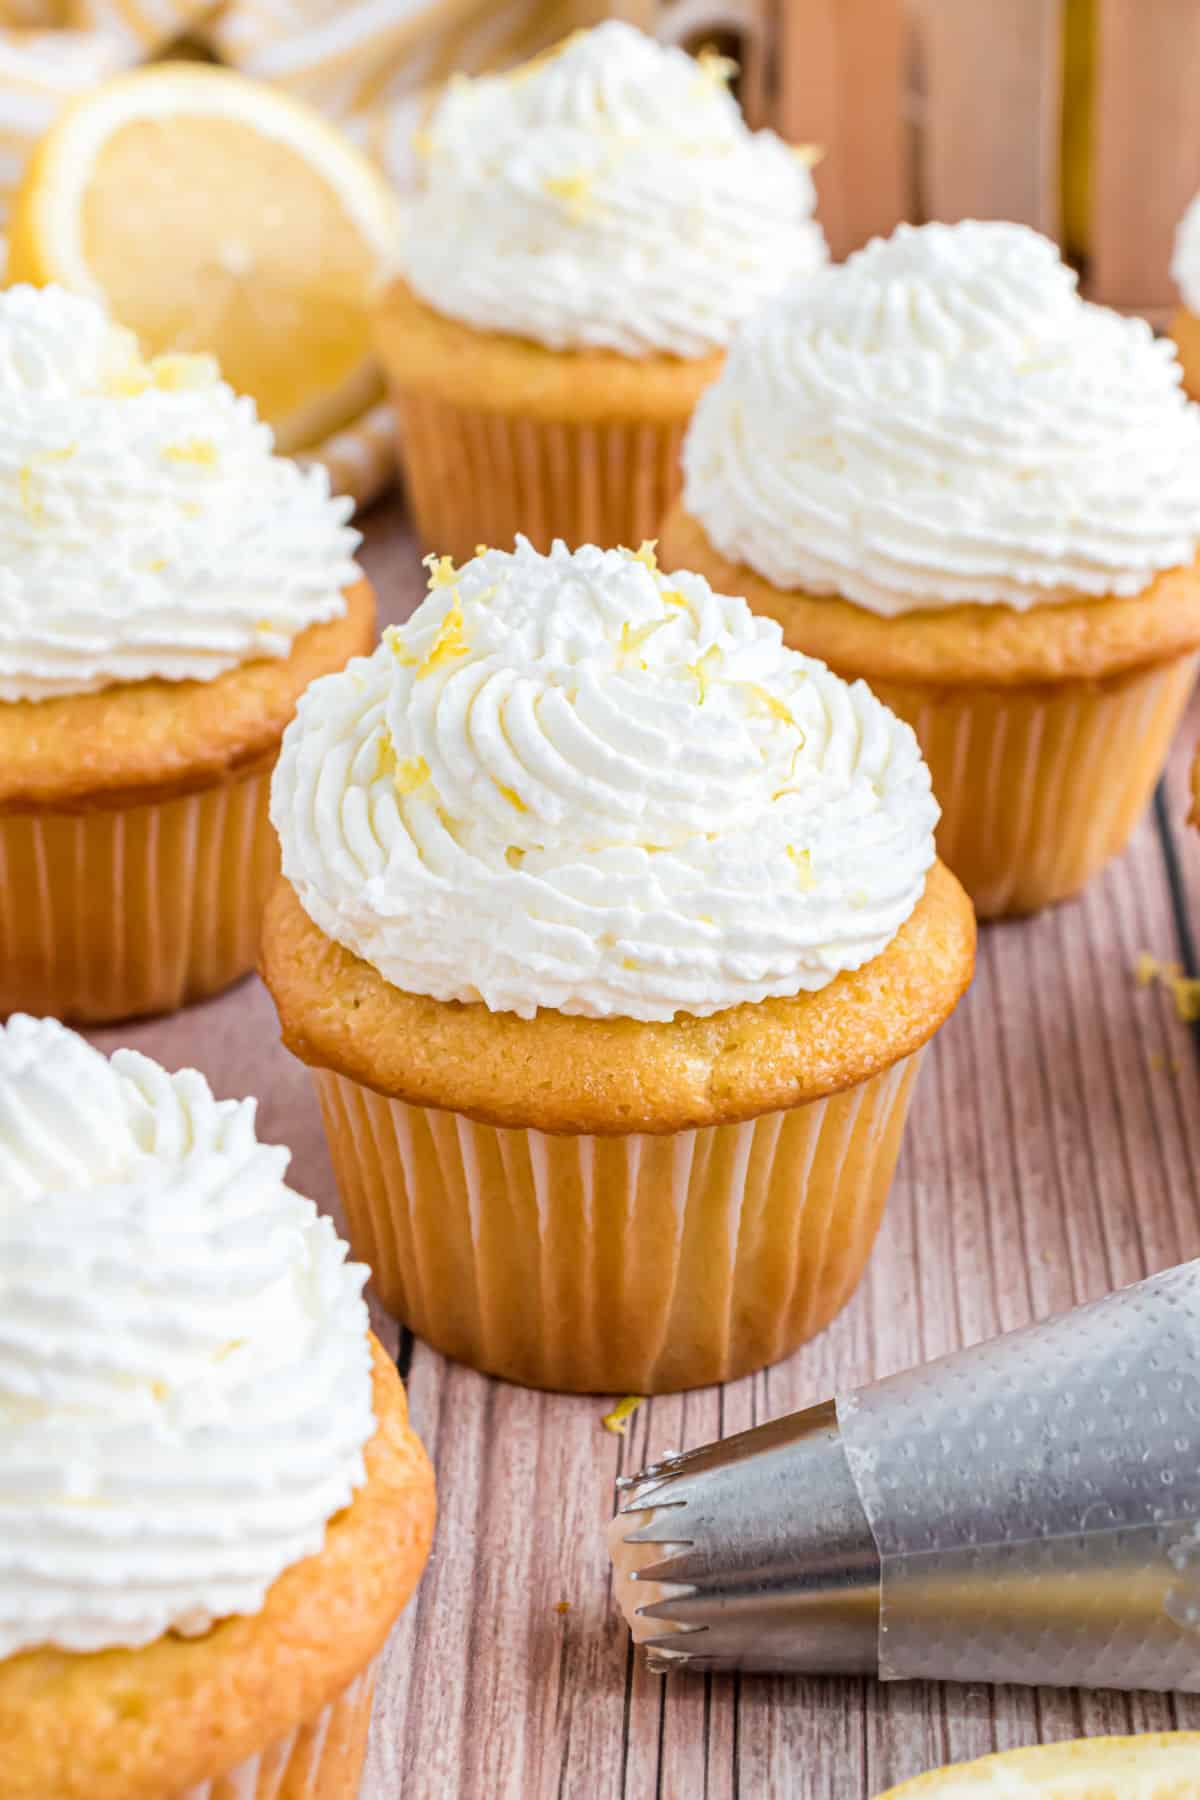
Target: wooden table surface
[1053,1153]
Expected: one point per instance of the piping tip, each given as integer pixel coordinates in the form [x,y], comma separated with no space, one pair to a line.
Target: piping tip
[1025,1510]
[752,1553]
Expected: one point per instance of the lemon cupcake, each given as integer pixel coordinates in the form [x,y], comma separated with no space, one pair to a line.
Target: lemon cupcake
[612,931]
[212,1507]
[168,589]
[590,231]
[940,470]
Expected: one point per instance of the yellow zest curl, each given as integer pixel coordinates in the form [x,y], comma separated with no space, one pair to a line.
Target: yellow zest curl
[442,572]
[617,1421]
[201,452]
[702,672]
[631,640]
[802,862]
[449,641]
[393,637]
[411,773]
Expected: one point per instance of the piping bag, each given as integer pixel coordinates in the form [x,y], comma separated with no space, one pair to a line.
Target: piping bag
[1027,1510]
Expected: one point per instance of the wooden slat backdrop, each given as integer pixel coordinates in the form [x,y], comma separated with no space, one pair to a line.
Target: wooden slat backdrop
[1053,1153]
[1146,150]
[991,114]
[950,109]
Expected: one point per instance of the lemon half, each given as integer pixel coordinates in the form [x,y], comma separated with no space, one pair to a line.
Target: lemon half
[208,212]
[1155,1767]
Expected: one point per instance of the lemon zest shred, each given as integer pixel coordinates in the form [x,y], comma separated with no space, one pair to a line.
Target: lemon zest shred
[514,856]
[449,641]
[442,572]
[385,756]
[393,637]
[700,670]
[31,504]
[511,795]
[201,452]
[715,68]
[176,371]
[802,861]
[575,190]
[411,773]
[632,640]
[1185,992]
[674,597]
[769,703]
[646,553]
[617,1421]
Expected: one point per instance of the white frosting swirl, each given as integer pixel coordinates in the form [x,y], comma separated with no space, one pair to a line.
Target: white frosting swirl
[146,527]
[185,1387]
[1185,260]
[574,782]
[608,196]
[941,419]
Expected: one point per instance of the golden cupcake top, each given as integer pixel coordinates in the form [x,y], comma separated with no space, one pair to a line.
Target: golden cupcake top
[573,781]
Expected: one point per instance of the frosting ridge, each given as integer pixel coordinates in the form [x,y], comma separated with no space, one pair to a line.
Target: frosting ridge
[608,196]
[147,529]
[942,420]
[185,1387]
[572,781]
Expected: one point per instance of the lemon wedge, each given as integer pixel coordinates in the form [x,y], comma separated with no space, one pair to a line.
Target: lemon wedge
[1163,1766]
[210,213]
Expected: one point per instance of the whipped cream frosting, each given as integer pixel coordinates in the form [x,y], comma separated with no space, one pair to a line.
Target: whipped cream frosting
[574,782]
[607,196]
[941,419]
[185,1385]
[1185,262]
[146,526]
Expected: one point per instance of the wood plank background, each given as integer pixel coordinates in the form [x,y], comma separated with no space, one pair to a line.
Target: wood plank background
[1053,1153]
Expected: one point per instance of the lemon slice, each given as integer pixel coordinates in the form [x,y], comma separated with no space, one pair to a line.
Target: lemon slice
[1162,1767]
[210,213]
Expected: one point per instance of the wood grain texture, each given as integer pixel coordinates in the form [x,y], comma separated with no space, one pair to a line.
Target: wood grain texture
[838,83]
[1052,1153]
[993,90]
[1146,146]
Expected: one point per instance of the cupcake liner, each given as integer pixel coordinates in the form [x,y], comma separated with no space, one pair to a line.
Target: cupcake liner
[1040,786]
[476,477]
[635,1263]
[106,914]
[320,1760]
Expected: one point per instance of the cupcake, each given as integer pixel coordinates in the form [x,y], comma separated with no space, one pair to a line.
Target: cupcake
[590,230]
[942,471]
[612,931]
[168,588]
[1185,268]
[213,1507]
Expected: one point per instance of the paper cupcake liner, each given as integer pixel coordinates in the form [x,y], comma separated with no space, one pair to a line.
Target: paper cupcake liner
[1040,786]
[109,914]
[320,1760]
[477,477]
[631,1264]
